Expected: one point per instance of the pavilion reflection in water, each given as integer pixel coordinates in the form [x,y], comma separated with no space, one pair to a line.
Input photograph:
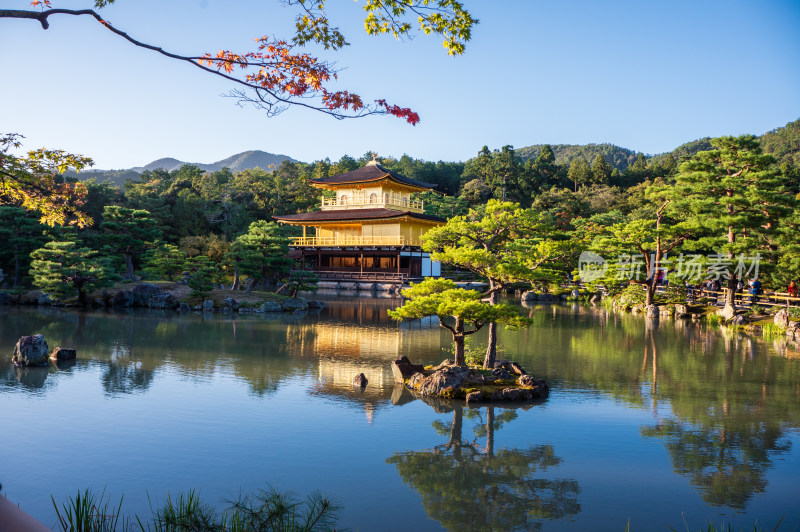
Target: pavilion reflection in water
[358,336]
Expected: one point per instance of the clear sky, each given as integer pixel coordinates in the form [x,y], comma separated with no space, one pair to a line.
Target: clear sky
[645,75]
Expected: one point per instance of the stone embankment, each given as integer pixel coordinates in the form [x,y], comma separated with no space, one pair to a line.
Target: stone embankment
[151,296]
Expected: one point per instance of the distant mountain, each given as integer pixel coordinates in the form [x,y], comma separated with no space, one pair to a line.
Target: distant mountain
[241,161]
[167,163]
[237,163]
[616,156]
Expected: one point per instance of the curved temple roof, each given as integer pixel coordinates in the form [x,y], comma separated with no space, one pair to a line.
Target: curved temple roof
[371,172]
[354,214]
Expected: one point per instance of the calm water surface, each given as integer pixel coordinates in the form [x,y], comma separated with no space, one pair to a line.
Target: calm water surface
[655,423]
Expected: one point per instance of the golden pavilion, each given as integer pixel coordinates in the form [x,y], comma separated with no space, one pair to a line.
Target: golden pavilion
[369,231]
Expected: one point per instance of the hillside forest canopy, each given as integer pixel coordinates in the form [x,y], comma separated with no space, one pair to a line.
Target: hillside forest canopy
[596,197]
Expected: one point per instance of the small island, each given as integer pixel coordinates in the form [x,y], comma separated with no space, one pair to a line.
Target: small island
[506,381]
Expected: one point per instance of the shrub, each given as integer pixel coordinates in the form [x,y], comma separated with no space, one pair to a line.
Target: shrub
[631,295]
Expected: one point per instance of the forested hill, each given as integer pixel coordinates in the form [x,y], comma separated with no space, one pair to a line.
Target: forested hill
[617,157]
[783,143]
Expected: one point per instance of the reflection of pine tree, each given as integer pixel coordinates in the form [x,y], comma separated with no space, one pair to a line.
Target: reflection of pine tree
[464,484]
[126,378]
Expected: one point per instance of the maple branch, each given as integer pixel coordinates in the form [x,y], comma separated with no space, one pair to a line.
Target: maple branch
[331,102]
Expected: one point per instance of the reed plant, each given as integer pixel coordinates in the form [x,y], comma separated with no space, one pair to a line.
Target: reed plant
[770,330]
[89,512]
[269,510]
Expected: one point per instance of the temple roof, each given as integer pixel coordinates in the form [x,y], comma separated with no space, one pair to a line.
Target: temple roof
[371,172]
[355,214]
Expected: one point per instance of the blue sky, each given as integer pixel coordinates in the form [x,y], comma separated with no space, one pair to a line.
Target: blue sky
[645,75]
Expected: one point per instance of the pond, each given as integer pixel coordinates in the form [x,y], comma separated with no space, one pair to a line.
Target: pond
[653,423]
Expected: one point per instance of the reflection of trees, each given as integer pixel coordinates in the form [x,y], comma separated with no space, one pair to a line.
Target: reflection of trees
[466,485]
[727,466]
[730,400]
[120,377]
[727,454]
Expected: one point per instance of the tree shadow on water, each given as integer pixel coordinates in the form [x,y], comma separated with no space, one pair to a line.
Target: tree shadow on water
[471,485]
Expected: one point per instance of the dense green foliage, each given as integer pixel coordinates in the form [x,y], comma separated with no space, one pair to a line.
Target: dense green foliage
[599,197]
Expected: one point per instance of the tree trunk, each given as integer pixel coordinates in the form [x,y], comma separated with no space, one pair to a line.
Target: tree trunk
[17,271]
[650,291]
[264,279]
[491,348]
[83,299]
[250,286]
[730,295]
[235,285]
[458,340]
[490,430]
[128,266]
[455,432]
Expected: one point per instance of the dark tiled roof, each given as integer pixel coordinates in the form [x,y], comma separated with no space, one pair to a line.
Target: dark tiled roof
[355,214]
[370,172]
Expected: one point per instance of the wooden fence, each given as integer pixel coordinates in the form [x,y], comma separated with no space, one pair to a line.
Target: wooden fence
[764,299]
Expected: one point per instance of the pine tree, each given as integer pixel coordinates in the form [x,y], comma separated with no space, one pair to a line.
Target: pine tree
[64,270]
[502,243]
[262,252]
[441,298]
[128,231]
[164,260]
[20,233]
[734,197]
[579,172]
[601,170]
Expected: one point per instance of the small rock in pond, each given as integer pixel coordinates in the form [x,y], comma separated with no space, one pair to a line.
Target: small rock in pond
[360,380]
[63,353]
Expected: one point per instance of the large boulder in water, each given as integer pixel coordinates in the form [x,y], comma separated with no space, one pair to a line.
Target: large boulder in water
[31,351]
[403,369]
[143,292]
